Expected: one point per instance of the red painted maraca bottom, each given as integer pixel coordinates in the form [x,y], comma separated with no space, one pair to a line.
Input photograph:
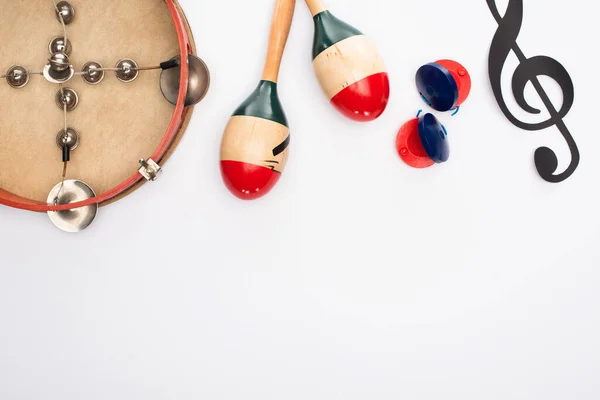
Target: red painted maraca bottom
[248,181]
[409,146]
[365,100]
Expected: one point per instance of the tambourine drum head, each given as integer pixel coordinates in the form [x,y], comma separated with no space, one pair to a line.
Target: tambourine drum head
[119,123]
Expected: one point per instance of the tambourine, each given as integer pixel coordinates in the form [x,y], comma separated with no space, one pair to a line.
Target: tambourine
[97,96]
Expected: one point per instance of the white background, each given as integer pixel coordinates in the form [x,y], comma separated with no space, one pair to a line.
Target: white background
[357,277]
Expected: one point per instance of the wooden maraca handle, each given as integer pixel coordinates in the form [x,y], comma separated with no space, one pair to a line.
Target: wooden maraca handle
[316,6]
[280,30]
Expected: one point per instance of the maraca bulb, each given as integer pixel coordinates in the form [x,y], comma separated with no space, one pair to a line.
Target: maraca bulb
[254,149]
[350,69]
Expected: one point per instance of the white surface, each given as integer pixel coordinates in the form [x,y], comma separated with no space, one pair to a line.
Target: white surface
[358,277]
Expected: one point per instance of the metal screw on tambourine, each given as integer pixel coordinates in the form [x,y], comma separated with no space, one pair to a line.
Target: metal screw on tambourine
[150,169]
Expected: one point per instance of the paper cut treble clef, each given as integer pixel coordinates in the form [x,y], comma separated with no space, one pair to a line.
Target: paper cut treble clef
[528,70]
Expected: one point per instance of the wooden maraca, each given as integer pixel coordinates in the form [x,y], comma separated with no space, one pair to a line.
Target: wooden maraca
[348,66]
[254,148]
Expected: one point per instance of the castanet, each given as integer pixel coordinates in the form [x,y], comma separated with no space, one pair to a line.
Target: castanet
[255,144]
[348,66]
[444,85]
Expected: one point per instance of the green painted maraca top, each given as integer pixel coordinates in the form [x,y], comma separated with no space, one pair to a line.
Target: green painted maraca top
[264,103]
[330,30]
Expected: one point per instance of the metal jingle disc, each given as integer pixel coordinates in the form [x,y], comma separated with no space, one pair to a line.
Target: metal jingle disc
[67,96]
[70,139]
[58,77]
[57,45]
[17,76]
[59,62]
[72,191]
[198,81]
[66,10]
[127,70]
[90,75]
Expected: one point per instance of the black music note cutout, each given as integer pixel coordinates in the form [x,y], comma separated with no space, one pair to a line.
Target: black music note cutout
[529,69]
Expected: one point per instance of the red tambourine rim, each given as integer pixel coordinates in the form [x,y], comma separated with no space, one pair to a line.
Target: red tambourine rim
[174,126]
